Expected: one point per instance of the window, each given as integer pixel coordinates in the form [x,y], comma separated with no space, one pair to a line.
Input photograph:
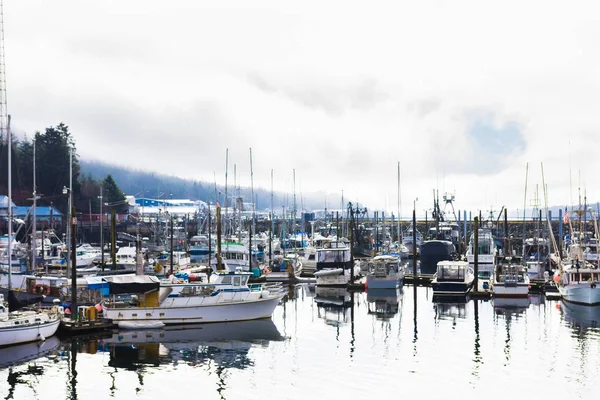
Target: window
[226,280]
[236,281]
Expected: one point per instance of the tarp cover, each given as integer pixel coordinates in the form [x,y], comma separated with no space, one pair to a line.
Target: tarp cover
[126,284]
[17,300]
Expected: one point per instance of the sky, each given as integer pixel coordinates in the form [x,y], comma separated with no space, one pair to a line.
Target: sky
[463,94]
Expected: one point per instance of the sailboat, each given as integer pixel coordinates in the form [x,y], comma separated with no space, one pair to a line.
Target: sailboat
[18,326]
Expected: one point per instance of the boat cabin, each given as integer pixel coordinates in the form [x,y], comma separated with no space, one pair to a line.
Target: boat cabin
[452,271]
[510,274]
[334,256]
[384,266]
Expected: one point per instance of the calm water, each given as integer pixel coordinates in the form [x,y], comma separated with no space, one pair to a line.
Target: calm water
[326,345]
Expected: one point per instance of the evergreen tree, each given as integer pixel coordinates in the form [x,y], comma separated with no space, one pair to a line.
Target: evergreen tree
[113,195]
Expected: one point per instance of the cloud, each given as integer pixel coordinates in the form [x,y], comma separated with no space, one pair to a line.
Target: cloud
[463,95]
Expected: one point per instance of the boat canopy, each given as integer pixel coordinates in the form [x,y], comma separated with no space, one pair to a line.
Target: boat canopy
[124,284]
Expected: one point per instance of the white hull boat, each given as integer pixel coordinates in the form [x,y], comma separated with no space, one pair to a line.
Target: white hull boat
[579,283]
[226,298]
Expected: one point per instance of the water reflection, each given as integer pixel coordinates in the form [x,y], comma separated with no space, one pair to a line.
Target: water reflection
[581,317]
[384,303]
[450,308]
[227,344]
[14,355]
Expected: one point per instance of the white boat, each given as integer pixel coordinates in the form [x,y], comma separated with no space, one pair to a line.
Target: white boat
[227,297]
[140,324]
[487,248]
[25,326]
[578,283]
[407,240]
[234,256]
[334,265]
[510,280]
[536,253]
[452,278]
[384,272]
[181,260]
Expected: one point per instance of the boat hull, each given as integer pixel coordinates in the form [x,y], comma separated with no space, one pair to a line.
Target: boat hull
[581,293]
[29,333]
[451,288]
[385,282]
[333,277]
[224,312]
[500,290]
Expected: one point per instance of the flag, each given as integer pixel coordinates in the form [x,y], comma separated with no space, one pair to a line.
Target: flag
[566,217]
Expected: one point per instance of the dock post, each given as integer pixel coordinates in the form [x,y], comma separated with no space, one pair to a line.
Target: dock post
[560,232]
[507,251]
[476,253]
[73,264]
[414,244]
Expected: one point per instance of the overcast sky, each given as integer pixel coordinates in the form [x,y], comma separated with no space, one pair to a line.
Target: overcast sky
[462,93]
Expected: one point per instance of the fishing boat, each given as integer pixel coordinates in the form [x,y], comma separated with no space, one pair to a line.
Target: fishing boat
[384,272]
[334,265]
[578,283]
[536,255]
[453,278]
[407,240]
[510,280]
[235,256]
[487,250]
[227,297]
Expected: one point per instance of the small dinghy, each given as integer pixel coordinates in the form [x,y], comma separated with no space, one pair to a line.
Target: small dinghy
[140,324]
[329,272]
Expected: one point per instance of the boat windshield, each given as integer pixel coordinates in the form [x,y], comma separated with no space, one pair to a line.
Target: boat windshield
[333,255]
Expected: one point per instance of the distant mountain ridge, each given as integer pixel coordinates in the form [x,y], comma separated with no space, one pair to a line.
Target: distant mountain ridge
[152,185]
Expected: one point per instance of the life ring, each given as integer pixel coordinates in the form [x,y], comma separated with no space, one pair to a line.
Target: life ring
[41,289]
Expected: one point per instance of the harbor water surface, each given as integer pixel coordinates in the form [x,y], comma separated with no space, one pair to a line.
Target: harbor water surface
[329,344]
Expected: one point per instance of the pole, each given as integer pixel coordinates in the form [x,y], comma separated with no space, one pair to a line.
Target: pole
[113,238]
[219,258]
[506,242]
[171,245]
[209,243]
[9,203]
[34,229]
[101,232]
[414,237]
[73,223]
[476,253]
[351,242]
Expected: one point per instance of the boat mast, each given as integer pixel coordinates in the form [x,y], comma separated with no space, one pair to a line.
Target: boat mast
[9,202]
[252,191]
[399,208]
[34,228]
[272,224]
[226,171]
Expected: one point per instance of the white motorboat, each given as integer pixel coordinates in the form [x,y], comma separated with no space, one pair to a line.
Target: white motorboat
[334,265]
[227,297]
[384,272]
[510,280]
[452,278]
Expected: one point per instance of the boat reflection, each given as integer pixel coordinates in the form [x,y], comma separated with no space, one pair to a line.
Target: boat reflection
[15,355]
[510,306]
[227,344]
[581,317]
[450,308]
[332,304]
[384,303]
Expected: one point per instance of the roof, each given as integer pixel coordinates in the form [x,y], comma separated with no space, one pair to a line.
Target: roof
[121,284]
[40,211]
[4,202]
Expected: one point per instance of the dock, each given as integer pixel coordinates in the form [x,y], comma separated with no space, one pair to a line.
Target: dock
[68,327]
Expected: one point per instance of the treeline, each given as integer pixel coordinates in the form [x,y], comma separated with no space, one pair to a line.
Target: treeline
[52,154]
